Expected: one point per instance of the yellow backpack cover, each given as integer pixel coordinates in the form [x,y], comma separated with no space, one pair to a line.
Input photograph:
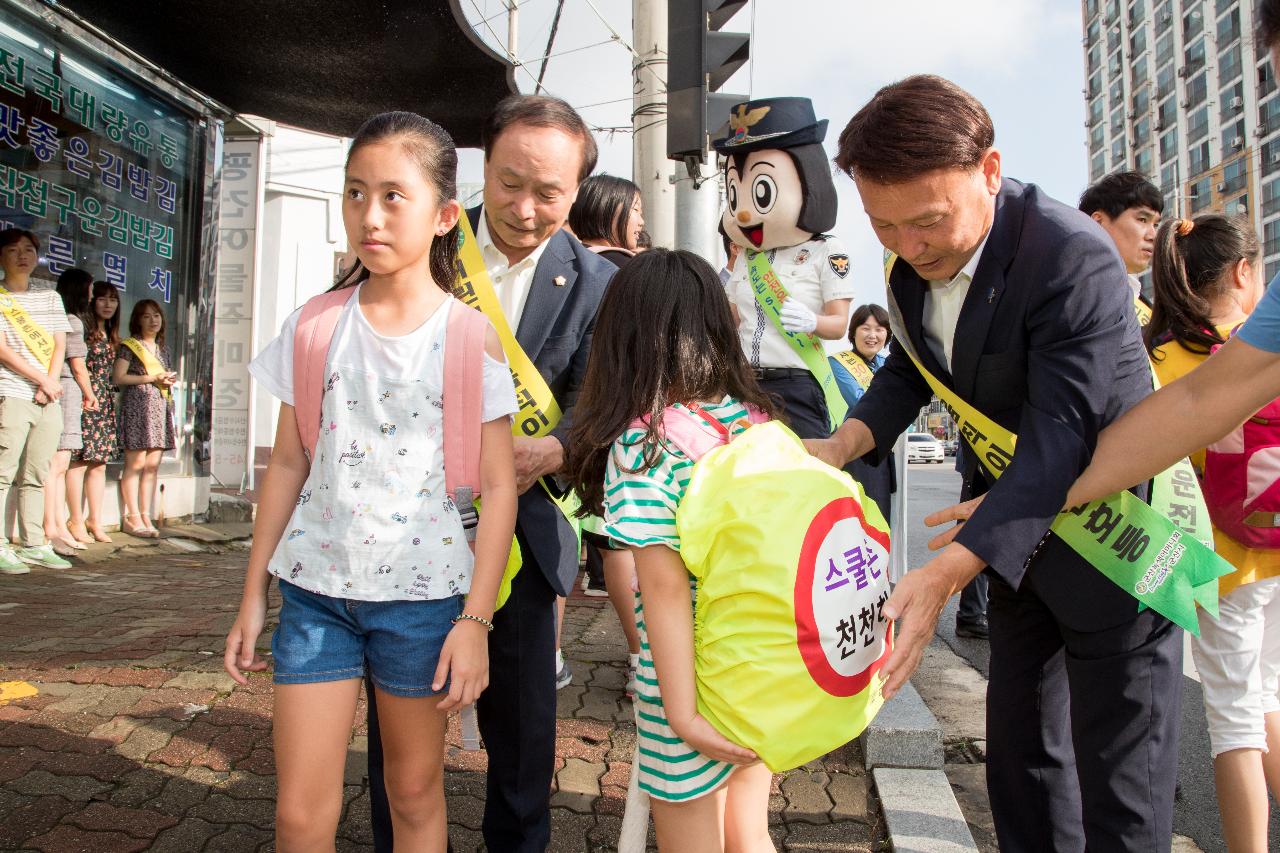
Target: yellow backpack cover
[791,563]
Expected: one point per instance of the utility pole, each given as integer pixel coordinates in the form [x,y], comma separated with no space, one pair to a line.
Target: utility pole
[650,168]
[513,29]
[698,209]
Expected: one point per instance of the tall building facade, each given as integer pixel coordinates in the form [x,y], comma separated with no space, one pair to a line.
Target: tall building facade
[1180,90]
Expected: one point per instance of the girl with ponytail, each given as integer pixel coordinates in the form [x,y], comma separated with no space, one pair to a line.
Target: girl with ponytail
[371,554]
[1207,277]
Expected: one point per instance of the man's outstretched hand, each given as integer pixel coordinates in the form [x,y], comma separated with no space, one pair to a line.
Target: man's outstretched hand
[915,604]
[826,450]
[959,513]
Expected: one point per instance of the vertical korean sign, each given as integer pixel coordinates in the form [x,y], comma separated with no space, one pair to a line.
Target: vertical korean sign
[233,324]
[100,167]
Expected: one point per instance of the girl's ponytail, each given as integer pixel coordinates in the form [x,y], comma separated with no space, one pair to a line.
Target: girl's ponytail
[444,258]
[1191,266]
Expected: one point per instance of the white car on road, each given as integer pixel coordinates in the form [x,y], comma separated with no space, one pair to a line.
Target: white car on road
[922,447]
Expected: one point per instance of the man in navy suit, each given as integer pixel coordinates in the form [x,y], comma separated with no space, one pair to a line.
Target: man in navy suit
[1018,304]
[537,151]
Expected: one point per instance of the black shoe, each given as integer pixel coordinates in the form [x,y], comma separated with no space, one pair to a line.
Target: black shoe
[975,629]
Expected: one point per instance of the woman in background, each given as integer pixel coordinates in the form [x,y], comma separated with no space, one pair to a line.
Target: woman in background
[99,430]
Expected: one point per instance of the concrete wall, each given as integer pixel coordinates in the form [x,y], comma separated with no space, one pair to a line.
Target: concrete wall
[302,237]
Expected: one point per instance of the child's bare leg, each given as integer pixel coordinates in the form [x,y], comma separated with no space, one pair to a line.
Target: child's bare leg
[311,726]
[695,826]
[746,812]
[412,731]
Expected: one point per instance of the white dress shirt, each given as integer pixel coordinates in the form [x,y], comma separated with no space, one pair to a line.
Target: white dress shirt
[942,307]
[511,282]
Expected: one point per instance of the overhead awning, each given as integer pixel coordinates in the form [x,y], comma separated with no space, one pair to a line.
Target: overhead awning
[323,65]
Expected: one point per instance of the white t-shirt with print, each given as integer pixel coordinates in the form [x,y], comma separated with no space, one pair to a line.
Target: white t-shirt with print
[814,272]
[373,521]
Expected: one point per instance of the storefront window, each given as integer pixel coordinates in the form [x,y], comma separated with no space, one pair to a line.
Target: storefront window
[105,171]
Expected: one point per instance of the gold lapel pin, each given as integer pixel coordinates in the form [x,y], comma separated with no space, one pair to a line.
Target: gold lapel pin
[558,281]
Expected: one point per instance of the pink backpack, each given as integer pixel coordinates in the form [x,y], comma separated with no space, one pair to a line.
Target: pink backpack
[1242,480]
[463,389]
[694,431]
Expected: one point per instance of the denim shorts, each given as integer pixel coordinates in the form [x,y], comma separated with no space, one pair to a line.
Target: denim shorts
[332,639]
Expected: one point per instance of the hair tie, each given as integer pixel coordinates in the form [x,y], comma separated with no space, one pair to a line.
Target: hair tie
[1184,227]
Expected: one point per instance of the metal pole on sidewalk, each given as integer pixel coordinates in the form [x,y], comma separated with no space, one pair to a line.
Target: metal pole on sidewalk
[898,566]
[650,168]
[698,210]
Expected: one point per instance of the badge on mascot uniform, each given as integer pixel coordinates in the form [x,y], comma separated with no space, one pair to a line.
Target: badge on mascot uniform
[780,194]
[791,563]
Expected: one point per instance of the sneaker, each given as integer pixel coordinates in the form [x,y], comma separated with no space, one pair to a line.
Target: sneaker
[43,555]
[593,587]
[563,676]
[630,689]
[9,562]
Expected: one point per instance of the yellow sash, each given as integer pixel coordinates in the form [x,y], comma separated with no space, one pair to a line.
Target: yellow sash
[150,363]
[35,336]
[1166,566]
[539,413]
[853,363]
[1144,313]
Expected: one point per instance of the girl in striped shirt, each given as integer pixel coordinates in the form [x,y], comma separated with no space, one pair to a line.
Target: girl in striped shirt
[666,324]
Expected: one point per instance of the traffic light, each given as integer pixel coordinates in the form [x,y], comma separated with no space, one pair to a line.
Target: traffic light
[700,59]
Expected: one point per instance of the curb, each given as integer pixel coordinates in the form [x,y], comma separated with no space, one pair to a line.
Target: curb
[903,751]
[904,734]
[921,812]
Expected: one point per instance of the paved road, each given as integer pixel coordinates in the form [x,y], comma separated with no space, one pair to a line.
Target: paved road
[932,487]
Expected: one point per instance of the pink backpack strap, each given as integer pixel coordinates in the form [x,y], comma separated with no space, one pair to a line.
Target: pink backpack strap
[756,416]
[311,342]
[693,435]
[463,400]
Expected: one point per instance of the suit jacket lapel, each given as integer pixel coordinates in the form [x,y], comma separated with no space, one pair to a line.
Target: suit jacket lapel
[985,292]
[546,297]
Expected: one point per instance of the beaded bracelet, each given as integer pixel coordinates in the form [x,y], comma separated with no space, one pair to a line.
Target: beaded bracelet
[483,621]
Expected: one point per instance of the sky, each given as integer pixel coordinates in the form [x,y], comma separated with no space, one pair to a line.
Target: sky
[1022,58]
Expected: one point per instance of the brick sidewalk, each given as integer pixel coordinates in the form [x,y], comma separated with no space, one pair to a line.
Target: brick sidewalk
[136,739]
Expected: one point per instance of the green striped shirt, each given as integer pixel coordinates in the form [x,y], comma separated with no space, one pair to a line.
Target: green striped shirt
[640,510]
[640,501]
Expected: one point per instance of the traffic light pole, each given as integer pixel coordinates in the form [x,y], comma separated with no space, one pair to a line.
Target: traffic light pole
[651,169]
[698,211]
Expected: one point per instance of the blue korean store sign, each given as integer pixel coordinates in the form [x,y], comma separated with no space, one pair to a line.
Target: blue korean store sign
[111,175]
[99,168]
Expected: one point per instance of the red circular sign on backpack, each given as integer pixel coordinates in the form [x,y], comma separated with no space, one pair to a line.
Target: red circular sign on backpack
[842,583]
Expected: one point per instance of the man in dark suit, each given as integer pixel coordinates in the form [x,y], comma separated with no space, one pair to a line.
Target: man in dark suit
[1017,304]
[537,151]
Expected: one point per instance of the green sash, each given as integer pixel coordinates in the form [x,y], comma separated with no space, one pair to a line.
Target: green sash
[770,294]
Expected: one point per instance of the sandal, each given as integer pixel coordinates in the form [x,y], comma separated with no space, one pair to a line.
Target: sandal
[61,548]
[98,534]
[138,530]
[80,533]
